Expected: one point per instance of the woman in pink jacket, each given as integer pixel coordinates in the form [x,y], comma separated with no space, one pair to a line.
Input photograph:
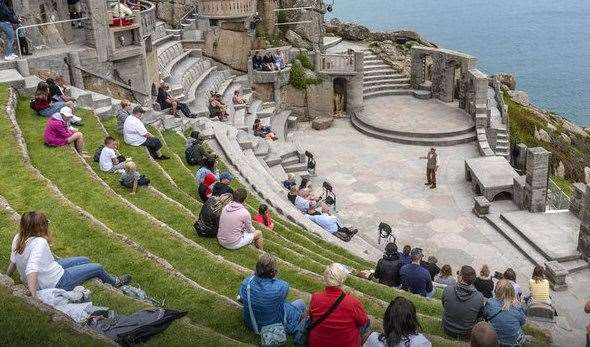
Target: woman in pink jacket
[58,132]
[235,224]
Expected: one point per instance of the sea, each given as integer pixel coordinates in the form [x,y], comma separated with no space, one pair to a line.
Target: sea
[545,44]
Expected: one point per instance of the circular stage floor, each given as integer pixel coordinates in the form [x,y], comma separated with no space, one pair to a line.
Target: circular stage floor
[407,114]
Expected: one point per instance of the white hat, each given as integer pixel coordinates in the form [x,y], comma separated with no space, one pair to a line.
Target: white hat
[66,112]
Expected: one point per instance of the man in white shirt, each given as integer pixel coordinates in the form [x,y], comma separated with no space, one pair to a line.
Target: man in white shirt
[135,134]
[110,160]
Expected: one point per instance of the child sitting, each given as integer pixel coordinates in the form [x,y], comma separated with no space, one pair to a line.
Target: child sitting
[131,177]
[263,217]
[110,159]
[289,182]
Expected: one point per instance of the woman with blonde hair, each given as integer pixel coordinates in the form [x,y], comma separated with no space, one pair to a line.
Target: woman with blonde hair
[506,315]
[208,222]
[336,318]
[38,269]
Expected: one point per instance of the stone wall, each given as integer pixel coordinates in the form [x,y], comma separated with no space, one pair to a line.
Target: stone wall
[320,99]
[305,35]
[171,11]
[229,47]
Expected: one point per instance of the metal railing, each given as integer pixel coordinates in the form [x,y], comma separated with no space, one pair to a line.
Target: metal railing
[337,63]
[24,27]
[218,9]
[556,198]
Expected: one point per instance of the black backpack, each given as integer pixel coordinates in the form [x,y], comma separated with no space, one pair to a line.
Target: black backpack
[96,156]
[189,153]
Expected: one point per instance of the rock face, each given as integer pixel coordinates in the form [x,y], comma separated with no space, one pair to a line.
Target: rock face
[508,80]
[296,40]
[519,97]
[390,53]
[229,47]
[542,135]
[313,32]
[321,123]
[348,31]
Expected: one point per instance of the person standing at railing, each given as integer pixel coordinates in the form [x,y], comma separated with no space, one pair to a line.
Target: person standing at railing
[7,22]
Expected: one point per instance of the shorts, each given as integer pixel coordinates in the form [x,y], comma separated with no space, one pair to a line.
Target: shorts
[245,240]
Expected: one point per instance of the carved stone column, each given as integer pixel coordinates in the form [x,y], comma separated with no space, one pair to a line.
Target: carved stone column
[537,175]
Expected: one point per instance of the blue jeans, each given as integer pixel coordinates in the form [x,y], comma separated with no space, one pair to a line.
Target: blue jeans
[54,108]
[78,270]
[9,31]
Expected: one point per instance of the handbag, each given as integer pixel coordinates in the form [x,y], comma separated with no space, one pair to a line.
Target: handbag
[270,335]
[306,325]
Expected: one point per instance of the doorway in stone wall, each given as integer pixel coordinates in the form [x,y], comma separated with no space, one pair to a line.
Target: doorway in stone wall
[456,66]
[340,94]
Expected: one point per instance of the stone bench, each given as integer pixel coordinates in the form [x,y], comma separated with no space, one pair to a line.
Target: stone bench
[481,205]
[541,311]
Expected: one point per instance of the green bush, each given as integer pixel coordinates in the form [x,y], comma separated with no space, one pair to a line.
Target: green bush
[305,60]
[297,77]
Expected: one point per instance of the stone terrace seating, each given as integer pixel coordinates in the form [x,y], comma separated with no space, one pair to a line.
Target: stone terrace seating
[166,54]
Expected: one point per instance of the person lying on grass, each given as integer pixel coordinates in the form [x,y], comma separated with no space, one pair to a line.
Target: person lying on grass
[31,256]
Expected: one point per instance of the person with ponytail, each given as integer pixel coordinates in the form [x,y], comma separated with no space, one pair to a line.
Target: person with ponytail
[32,258]
[400,327]
[263,217]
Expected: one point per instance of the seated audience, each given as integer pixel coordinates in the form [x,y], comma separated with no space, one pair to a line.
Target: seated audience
[431,266]
[445,276]
[263,217]
[415,278]
[264,298]
[280,61]
[510,275]
[205,188]
[131,178]
[43,104]
[257,62]
[302,200]
[235,224]
[222,186]
[289,182]
[58,132]
[387,270]
[207,167]
[263,131]
[483,335]
[462,305]
[122,113]
[505,313]
[268,62]
[167,101]
[312,210]
[303,184]
[31,256]
[401,327]
[208,222]
[292,194]
[110,159]
[58,88]
[330,224]
[347,320]
[239,100]
[484,283]
[406,257]
[217,109]
[135,134]
[539,286]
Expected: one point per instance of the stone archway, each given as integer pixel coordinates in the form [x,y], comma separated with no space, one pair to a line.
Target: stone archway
[340,96]
[502,196]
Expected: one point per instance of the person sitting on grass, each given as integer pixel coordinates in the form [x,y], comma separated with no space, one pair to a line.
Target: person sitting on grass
[263,131]
[445,276]
[222,186]
[483,335]
[58,132]
[331,224]
[131,177]
[110,159]
[122,113]
[388,268]
[58,88]
[401,327]
[289,182]
[347,322]
[135,134]
[167,101]
[484,283]
[238,100]
[235,224]
[197,151]
[208,222]
[462,305]
[505,313]
[510,275]
[207,168]
[415,278]
[263,217]
[205,189]
[43,104]
[406,257]
[265,299]
[431,266]
[539,287]
[31,256]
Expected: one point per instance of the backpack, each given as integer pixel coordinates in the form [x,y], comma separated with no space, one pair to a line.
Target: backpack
[96,156]
[189,153]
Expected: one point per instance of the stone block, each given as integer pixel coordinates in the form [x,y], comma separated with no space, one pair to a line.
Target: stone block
[481,206]
[537,167]
[535,199]
[520,158]
[321,123]
[540,311]
[518,189]
[584,240]
[577,199]
[481,120]
[556,274]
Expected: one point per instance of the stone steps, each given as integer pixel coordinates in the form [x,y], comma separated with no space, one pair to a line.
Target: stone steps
[279,124]
[386,80]
[12,77]
[420,94]
[375,65]
[381,68]
[385,86]
[376,76]
[574,266]
[413,139]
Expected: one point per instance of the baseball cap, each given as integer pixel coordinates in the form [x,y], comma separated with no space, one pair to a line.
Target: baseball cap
[66,112]
[225,176]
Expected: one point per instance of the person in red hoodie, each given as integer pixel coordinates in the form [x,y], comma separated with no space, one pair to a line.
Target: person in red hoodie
[346,323]
[206,187]
[58,132]
[263,217]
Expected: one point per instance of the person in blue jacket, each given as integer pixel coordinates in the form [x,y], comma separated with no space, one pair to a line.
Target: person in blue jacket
[506,315]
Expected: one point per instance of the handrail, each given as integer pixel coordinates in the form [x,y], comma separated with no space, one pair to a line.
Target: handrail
[42,24]
[194,9]
[108,79]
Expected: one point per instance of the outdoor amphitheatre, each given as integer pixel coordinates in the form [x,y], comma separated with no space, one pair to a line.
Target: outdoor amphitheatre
[397,141]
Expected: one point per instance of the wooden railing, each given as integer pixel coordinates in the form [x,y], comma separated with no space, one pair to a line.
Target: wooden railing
[337,63]
[226,8]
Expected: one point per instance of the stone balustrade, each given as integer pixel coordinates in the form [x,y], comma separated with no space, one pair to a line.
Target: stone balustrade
[338,64]
[219,9]
[147,18]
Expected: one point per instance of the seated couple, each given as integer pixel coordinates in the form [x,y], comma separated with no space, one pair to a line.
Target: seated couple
[167,101]
[263,131]
[217,108]
[31,256]
[50,99]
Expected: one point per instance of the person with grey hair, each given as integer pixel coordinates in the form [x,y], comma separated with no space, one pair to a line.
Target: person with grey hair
[265,298]
[337,319]
[414,277]
[483,335]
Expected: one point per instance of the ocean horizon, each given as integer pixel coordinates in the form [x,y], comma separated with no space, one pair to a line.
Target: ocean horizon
[543,43]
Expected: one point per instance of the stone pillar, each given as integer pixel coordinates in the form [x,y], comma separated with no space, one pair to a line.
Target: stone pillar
[577,199]
[520,158]
[518,191]
[416,68]
[584,236]
[355,85]
[537,175]
[99,28]
[75,74]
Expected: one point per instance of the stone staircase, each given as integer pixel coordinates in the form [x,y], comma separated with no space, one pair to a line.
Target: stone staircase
[12,74]
[380,79]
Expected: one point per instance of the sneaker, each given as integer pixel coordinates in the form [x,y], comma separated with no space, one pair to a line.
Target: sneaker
[11,57]
[123,280]
[433,186]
